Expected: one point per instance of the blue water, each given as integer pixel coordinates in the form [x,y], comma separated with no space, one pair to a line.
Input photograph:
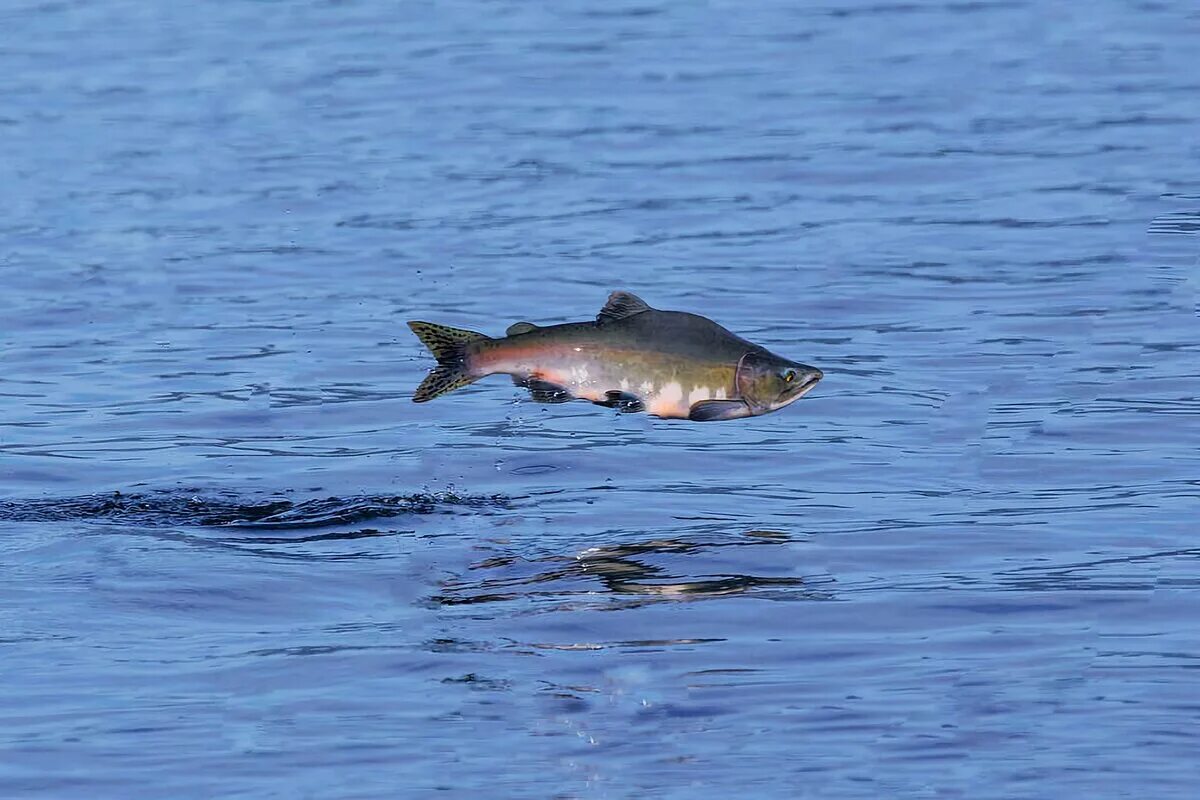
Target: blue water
[236,561]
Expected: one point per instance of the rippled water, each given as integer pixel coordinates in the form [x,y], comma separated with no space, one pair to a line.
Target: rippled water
[238,562]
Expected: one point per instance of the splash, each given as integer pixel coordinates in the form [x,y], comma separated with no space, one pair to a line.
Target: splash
[167,508]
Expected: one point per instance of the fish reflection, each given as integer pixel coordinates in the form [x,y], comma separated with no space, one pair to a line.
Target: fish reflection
[655,568]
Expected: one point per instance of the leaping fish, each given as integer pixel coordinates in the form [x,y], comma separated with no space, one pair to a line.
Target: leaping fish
[633,358]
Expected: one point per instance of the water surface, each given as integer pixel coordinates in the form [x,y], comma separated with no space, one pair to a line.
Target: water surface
[238,562]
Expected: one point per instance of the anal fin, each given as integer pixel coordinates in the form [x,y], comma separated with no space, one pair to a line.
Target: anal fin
[714,410]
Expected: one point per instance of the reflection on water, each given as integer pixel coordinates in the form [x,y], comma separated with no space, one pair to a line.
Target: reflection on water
[659,568]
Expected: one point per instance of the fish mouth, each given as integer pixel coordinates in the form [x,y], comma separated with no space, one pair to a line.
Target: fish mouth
[811,378]
[808,378]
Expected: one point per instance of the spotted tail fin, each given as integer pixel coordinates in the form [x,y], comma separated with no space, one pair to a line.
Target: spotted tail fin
[449,347]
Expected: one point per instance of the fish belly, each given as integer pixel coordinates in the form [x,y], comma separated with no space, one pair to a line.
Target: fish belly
[583,376]
[674,399]
[669,395]
[665,390]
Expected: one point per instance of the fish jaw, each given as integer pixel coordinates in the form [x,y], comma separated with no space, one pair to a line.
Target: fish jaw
[808,379]
[767,382]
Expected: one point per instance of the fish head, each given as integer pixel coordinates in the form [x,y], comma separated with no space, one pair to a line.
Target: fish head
[766,382]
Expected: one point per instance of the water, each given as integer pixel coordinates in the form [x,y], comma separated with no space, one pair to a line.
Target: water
[238,562]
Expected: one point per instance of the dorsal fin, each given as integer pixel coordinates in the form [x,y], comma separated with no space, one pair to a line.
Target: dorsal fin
[621,305]
[520,327]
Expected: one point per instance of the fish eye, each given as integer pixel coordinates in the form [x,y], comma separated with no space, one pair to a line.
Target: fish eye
[789,376]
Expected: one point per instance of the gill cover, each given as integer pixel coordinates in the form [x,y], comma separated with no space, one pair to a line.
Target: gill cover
[753,370]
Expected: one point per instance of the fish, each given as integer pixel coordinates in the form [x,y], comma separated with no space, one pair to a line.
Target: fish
[634,358]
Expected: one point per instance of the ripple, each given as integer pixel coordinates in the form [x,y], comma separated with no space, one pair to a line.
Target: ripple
[173,508]
[1185,223]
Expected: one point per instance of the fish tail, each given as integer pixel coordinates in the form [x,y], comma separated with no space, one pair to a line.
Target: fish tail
[449,347]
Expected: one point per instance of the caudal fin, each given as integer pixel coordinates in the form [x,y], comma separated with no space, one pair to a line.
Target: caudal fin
[448,346]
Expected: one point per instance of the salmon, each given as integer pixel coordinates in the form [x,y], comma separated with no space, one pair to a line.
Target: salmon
[670,364]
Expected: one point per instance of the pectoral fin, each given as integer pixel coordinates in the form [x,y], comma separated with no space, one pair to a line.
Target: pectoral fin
[714,410]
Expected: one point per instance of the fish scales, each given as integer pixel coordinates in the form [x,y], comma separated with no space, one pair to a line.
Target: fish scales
[591,362]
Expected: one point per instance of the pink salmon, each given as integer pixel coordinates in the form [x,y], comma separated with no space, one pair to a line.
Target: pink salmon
[633,357]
